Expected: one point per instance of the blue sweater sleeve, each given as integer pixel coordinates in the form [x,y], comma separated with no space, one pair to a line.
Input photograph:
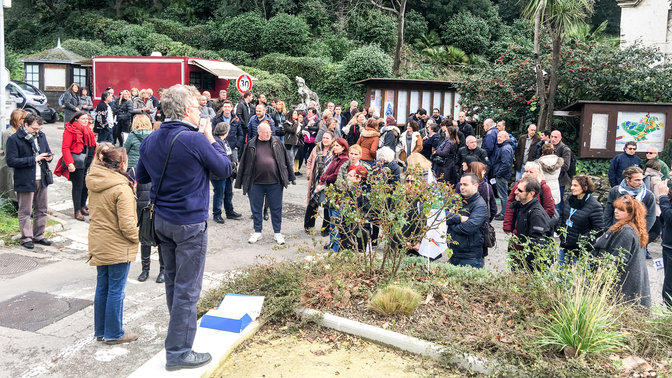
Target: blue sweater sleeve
[214,157]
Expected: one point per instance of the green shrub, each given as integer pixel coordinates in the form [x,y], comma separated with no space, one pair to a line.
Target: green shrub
[242,32]
[272,84]
[467,32]
[236,57]
[9,223]
[286,34]
[593,167]
[121,51]
[661,324]
[13,65]
[317,16]
[375,27]
[136,36]
[87,49]
[393,300]
[311,69]
[666,154]
[365,62]
[333,46]
[415,25]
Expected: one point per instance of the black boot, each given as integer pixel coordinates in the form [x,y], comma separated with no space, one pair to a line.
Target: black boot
[161,278]
[145,252]
[266,213]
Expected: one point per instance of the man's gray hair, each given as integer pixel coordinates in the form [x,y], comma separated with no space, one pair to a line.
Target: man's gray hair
[470,138]
[385,154]
[489,122]
[177,99]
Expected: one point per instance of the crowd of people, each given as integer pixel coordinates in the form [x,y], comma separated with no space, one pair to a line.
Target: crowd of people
[131,151]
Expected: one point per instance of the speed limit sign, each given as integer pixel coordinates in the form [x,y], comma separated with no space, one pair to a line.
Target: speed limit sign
[244,83]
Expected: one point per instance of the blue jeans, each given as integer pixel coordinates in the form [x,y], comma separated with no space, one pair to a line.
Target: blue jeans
[562,256]
[559,206]
[105,135]
[273,195]
[222,193]
[503,192]
[476,263]
[108,305]
[183,247]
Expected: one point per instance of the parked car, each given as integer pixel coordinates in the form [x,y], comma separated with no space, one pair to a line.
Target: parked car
[31,99]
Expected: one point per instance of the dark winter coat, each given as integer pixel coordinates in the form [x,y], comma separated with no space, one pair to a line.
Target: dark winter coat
[502,161]
[490,142]
[430,145]
[448,170]
[634,277]
[71,102]
[292,132]
[545,199]
[247,161]
[580,217]
[465,128]
[561,150]
[666,220]
[236,137]
[520,150]
[464,154]
[21,157]
[391,171]
[389,137]
[124,112]
[243,113]
[469,234]
[618,165]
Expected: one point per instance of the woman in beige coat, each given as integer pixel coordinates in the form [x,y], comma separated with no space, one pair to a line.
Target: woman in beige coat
[113,239]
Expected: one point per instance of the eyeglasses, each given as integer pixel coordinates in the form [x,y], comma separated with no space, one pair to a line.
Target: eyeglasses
[632,148]
[650,153]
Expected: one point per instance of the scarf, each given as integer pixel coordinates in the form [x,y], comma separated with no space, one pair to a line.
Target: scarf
[638,193]
[32,139]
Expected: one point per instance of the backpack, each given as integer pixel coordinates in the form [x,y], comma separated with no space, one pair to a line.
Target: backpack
[61,100]
[571,171]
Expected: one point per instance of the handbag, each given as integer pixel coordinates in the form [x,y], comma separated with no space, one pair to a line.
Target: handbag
[47,175]
[78,159]
[489,236]
[147,233]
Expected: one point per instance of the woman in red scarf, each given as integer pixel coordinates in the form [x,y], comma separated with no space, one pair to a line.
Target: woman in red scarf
[77,139]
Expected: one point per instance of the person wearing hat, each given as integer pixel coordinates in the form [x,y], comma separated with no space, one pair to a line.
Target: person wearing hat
[223,186]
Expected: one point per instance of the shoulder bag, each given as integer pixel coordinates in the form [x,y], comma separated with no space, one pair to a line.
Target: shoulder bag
[147,234]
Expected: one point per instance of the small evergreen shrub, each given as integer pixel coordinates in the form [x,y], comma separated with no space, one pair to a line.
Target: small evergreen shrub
[286,34]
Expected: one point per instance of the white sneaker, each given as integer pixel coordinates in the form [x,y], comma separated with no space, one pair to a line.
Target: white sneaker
[279,238]
[254,238]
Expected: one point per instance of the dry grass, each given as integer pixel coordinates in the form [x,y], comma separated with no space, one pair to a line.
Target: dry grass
[393,300]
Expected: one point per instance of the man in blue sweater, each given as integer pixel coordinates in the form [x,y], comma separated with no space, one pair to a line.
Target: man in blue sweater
[501,168]
[490,139]
[253,123]
[622,161]
[181,203]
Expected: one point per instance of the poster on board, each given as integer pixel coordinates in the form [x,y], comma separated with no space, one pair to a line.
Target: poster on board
[645,129]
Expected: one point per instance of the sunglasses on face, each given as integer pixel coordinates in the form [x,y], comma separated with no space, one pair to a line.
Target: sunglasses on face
[632,148]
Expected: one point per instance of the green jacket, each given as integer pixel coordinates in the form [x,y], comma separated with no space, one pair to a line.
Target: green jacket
[132,145]
[664,168]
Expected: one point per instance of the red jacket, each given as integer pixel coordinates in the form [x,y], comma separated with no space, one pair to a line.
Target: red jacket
[75,136]
[546,200]
[369,143]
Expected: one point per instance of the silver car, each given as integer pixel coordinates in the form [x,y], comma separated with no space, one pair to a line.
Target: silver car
[31,99]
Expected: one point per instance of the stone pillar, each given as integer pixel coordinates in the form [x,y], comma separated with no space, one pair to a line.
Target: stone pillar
[647,22]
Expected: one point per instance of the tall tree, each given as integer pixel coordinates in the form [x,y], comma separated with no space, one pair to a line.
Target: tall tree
[397,7]
[556,17]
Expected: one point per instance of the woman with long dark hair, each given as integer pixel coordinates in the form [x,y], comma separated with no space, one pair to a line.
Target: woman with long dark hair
[319,160]
[626,240]
[78,139]
[124,114]
[446,161]
[293,137]
[581,215]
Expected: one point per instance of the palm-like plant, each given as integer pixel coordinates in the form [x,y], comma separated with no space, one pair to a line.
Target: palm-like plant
[428,40]
[557,17]
[581,32]
[446,55]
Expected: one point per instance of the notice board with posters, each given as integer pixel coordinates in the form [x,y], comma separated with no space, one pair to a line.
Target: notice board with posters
[605,127]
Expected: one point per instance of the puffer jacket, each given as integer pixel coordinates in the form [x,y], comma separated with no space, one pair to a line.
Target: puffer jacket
[113,228]
[124,113]
[247,161]
[552,165]
[580,217]
[138,104]
[292,132]
[502,160]
[389,137]
[545,199]
[368,140]
[132,145]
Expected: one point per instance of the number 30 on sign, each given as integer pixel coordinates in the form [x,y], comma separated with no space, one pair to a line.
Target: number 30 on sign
[244,83]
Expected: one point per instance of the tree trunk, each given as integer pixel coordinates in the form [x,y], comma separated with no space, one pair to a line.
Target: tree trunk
[117,7]
[401,16]
[553,81]
[541,84]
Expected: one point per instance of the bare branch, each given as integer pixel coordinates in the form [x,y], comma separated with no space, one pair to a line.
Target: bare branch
[380,5]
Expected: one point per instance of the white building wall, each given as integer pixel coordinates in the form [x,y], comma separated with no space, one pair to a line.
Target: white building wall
[648,22]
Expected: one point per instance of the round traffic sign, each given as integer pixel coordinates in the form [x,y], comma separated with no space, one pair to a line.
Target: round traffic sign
[244,83]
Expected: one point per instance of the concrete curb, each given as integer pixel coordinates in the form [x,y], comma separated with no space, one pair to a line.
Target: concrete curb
[400,341]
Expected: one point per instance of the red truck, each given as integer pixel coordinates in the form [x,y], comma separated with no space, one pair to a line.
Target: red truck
[126,72]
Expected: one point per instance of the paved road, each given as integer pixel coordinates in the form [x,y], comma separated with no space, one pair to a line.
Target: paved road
[65,346]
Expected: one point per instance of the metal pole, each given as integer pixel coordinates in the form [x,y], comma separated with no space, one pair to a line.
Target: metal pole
[3,78]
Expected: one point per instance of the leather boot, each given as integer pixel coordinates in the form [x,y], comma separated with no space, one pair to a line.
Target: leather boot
[145,252]
[85,211]
[161,278]
[78,215]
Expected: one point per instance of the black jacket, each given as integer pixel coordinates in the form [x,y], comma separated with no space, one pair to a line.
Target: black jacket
[21,157]
[464,154]
[236,137]
[519,153]
[243,113]
[666,220]
[247,161]
[469,234]
[465,128]
[584,216]
[531,220]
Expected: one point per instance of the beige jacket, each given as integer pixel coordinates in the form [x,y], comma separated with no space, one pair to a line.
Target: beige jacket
[113,228]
